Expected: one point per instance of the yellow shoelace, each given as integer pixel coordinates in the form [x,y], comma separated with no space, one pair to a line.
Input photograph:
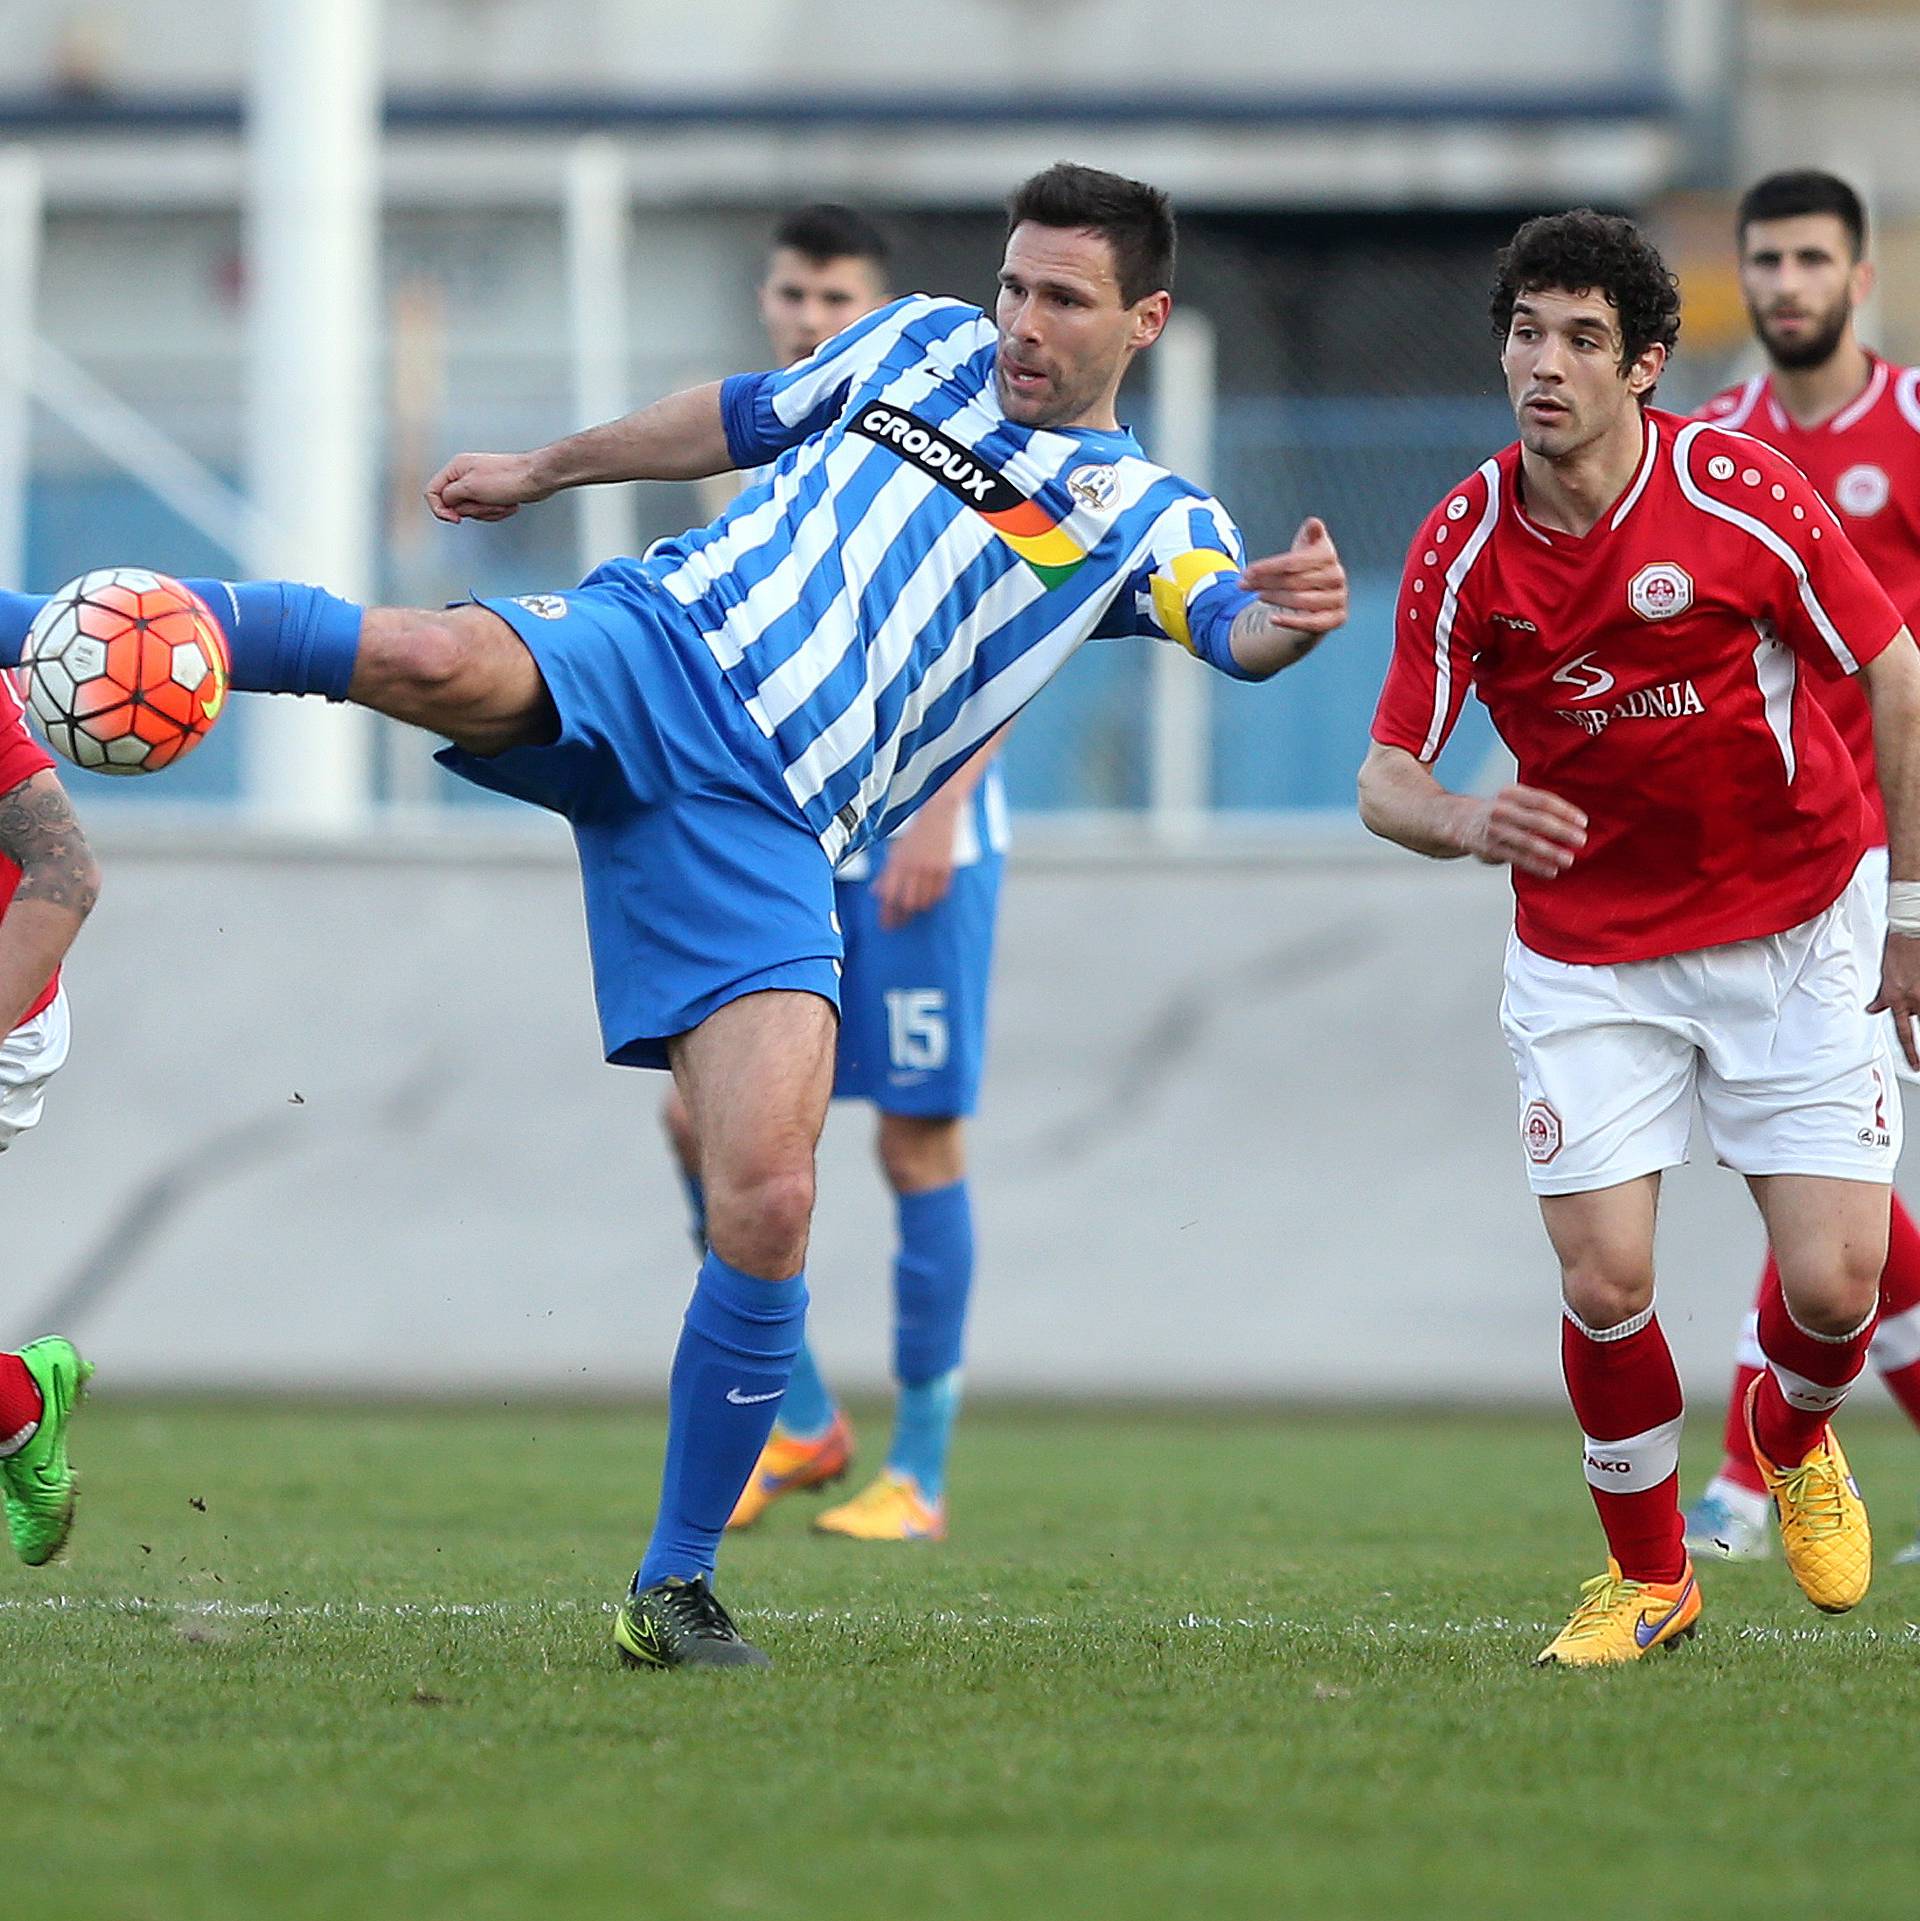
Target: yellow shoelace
[1598,1600]
[1814,1493]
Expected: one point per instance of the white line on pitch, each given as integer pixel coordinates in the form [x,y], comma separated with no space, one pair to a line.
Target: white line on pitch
[1492,1627]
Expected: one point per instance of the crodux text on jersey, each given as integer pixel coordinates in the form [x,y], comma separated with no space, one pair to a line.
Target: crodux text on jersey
[916,566]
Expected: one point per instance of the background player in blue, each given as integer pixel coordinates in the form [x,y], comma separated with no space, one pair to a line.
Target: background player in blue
[917,914]
[953,510]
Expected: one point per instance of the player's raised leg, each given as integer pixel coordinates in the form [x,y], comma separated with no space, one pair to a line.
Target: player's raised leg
[457,671]
[756,1077]
[1830,1240]
[1626,1396]
[925,1162]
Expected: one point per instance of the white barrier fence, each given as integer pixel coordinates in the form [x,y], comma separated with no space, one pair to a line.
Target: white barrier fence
[1249,1129]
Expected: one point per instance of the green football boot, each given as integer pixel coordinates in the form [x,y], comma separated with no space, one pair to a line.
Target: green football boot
[38,1480]
[681,1624]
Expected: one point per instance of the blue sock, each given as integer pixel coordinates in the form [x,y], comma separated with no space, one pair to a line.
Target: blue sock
[696,1208]
[923,1431]
[809,1408]
[729,1372]
[931,1281]
[285,638]
[17,612]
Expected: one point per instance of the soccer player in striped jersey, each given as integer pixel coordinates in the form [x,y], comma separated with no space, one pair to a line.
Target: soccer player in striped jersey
[1639,601]
[954,508]
[917,914]
[1850,421]
[48,884]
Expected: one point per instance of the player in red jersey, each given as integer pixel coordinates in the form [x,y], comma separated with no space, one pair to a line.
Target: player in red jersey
[1639,601]
[1850,421]
[48,883]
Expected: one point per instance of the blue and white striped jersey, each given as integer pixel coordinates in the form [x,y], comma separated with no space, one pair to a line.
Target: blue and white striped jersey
[917,566]
[981,827]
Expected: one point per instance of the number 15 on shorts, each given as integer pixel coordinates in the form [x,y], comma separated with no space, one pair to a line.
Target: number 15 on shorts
[917,1028]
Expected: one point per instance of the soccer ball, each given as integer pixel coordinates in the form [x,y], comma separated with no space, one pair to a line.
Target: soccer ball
[125,670]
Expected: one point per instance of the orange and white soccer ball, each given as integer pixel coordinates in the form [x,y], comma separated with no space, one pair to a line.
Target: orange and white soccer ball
[125,670]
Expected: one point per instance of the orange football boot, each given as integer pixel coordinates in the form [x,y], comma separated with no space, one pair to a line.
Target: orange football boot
[786,1465]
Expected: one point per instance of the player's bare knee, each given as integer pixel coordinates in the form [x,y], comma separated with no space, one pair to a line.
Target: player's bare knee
[1833,1300]
[1606,1291]
[759,1221]
[918,1152]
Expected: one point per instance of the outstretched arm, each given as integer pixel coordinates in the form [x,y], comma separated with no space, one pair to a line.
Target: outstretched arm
[1524,827]
[59,882]
[1302,599]
[682,437]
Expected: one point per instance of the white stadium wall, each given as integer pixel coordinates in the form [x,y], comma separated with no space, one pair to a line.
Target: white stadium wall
[1248,1130]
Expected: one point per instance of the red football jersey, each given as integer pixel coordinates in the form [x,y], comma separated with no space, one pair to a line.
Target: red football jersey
[1652,672]
[1865,461]
[21,757]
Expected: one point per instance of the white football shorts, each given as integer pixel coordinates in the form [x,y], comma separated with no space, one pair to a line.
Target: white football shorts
[1874,870]
[1771,1036]
[30,1056]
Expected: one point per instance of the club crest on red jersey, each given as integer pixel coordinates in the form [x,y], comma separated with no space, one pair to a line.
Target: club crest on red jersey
[1660,591]
[1862,491]
[1540,1129]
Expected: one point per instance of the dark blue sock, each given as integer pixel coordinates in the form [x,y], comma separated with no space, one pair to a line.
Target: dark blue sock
[17,613]
[729,1372]
[696,1208]
[285,638]
[931,1281]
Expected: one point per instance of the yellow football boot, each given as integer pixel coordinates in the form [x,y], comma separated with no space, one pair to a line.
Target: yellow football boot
[787,1465]
[1823,1521]
[1620,1620]
[892,1509]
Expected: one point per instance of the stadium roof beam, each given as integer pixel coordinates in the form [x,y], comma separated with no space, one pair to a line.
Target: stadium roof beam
[916,150]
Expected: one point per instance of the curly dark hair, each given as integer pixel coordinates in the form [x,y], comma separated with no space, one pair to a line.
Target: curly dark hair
[1588,252]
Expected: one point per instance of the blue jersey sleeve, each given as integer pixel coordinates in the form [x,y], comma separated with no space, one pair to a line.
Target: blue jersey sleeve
[766,413]
[1187,588]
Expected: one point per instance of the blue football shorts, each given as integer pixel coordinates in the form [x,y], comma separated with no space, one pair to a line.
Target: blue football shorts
[703,881]
[913,999]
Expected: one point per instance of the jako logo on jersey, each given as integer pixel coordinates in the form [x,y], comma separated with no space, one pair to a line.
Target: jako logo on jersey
[1518,625]
[1025,525]
[545,606]
[1660,591]
[1591,680]
[1862,490]
[1540,1129]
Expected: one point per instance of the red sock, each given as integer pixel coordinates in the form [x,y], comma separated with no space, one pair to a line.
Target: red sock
[19,1403]
[1806,1379]
[1626,1397]
[1896,1342]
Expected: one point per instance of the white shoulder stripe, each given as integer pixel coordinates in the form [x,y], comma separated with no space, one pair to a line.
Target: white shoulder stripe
[1767,538]
[1489,471]
[1640,479]
[1744,405]
[1866,403]
[1906,396]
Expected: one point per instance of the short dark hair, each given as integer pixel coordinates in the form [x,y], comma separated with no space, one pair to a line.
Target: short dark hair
[1802,190]
[1588,252]
[1136,219]
[828,231]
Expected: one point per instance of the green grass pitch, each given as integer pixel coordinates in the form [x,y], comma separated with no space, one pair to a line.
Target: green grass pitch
[335,1661]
